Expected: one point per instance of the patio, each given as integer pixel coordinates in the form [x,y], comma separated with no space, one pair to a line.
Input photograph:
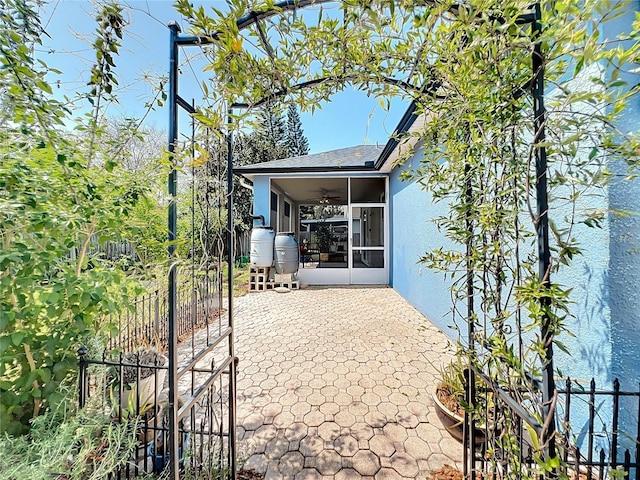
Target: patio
[336,383]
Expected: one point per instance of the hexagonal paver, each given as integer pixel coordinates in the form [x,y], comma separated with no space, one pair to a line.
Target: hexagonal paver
[382,446]
[366,462]
[370,399]
[344,418]
[300,409]
[283,419]
[265,433]
[361,431]
[276,448]
[359,408]
[253,421]
[386,473]
[329,377]
[356,391]
[291,463]
[329,431]
[329,391]
[404,464]
[388,409]
[271,410]
[329,408]
[328,462]
[346,445]
[375,419]
[314,418]
[316,399]
[429,432]
[308,474]
[398,398]
[257,462]
[296,431]
[417,448]
[289,399]
[348,474]
[382,391]
[343,399]
[268,384]
[396,433]
[407,420]
[303,391]
[311,446]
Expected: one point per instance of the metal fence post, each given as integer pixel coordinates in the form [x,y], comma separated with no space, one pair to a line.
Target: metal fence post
[544,251]
[83,386]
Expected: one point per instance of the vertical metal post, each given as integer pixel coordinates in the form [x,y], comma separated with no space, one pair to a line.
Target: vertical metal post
[230,262]
[82,377]
[470,377]
[173,228]
[544,252]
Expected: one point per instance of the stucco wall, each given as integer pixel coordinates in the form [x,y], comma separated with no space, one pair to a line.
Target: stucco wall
[588,273]
[624,277]
[412,234]
[605,279]
[261,197]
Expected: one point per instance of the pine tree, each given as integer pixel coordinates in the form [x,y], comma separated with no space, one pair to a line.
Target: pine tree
[269,140]
[296,142]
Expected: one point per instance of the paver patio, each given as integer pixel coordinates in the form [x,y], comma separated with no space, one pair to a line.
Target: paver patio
[336,383]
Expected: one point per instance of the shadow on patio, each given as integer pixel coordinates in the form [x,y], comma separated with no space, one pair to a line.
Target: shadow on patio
[336,383]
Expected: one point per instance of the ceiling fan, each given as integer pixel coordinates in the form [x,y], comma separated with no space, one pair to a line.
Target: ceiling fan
[326,198]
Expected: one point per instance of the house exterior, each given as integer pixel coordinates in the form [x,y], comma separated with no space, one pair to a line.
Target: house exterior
[341,194]
[386,225]
[381,225]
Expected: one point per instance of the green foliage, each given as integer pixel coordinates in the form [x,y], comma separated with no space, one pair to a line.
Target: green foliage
[297,143]
[54,292]
[74,444]
[55,212]
[324,237]
[469,70]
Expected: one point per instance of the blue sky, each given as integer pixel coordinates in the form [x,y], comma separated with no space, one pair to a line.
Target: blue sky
[349,119]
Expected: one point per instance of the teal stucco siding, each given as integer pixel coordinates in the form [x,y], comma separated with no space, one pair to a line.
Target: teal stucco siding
[412,234]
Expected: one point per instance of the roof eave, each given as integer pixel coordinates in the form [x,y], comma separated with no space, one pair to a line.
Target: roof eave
[350,168]
[404,125]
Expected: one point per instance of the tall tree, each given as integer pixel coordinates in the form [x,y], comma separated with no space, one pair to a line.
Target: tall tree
[269,139]
[297,142]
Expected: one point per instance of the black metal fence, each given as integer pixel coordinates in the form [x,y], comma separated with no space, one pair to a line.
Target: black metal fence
[199,303]
[129,379]
[598,433]
[133,390]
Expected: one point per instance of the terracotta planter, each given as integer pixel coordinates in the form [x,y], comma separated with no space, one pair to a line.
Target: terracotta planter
[454,423]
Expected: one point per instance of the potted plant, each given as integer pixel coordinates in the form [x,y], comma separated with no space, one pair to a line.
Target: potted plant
[141,376]
[156,448]
[449,399]
[135,388]
[324,238]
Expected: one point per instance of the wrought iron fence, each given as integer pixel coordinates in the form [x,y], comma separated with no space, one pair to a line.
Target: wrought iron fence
[598,433]
[199,303]
[141,399]
[130,378]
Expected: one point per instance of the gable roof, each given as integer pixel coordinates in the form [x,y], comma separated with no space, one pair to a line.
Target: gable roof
[360,158]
